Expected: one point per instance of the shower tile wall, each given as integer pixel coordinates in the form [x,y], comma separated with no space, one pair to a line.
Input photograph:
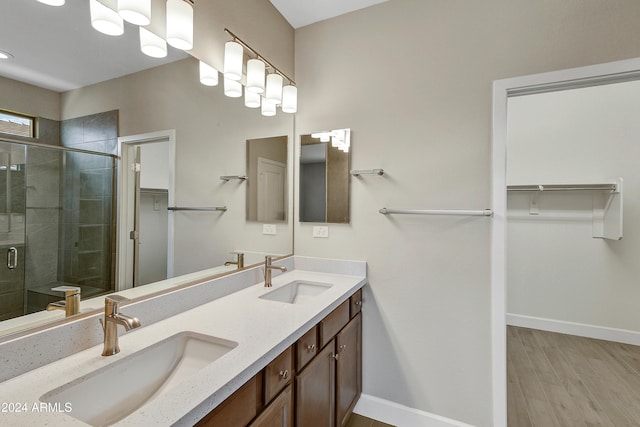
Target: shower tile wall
[88,227]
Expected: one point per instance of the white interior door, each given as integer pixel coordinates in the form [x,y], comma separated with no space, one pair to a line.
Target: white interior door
[272,177]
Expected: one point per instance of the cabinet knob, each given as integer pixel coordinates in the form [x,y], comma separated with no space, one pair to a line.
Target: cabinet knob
[311,347]
[335,356]
[284,374]
[358,303]
[343,347]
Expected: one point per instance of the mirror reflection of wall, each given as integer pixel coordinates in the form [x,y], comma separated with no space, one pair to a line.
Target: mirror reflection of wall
[324,176]
[267,179]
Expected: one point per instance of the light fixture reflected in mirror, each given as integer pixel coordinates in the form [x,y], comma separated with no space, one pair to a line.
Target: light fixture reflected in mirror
[251,99]
[151,44]
[208,75]
[273,92]
[5,55]
[232,88]
[105,20]
[233,57]
[180,24]
[137,12]
[268,108]
[53,2]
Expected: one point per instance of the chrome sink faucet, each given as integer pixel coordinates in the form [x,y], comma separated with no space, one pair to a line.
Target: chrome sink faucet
[113,318]
[71,303]
[267,271]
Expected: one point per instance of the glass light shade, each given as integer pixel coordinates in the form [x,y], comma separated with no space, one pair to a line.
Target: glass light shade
[152,44]
[232,88]
[252,99]
[180,24]
[105,20]
[268,108]
[274,88]
[53,2]
[208,75]
[137,12]
[255,76]
[233,58]
[289,99]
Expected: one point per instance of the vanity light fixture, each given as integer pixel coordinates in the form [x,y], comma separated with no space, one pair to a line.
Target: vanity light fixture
[105,20]
[340,138]
[180,24]
[232,88]
[289,99]
[137,12]
[152,44]
[208,74]
[268,108]
[53,2]
[252,99]
[233,58]
[5,55]
[255,76]
[257,66]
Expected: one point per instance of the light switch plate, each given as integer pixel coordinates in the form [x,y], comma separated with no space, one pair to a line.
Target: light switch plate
[269,229]
[321,232]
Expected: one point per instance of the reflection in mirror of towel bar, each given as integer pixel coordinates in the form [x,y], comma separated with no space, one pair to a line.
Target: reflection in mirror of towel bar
[355,172]
[230,177]
[484,212]
[212,209]
[564,187]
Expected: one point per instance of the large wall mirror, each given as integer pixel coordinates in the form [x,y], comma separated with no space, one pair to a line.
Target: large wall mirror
[324,176]
[209,141]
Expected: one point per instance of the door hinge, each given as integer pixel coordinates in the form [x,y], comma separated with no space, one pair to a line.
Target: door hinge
[135,167]
[134,235]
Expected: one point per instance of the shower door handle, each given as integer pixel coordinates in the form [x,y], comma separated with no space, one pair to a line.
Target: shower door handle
[12,258]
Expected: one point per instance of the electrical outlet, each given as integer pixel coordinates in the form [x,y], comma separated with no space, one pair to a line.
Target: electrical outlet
[321,231]
[269,229]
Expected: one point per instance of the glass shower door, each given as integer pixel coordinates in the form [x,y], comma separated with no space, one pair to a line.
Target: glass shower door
[12,230]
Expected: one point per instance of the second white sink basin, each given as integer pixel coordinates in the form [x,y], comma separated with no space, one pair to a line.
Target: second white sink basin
[115,391]
[296,292]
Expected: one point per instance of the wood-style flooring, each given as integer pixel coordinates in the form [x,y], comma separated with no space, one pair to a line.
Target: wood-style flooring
[359,421]
[568,381]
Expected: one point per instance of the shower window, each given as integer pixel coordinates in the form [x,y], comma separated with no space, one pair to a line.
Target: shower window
[17,124]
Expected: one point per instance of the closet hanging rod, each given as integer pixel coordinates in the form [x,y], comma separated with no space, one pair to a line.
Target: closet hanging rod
[564,187]
[355,172]
[484,212]
[230,177]
[207,209]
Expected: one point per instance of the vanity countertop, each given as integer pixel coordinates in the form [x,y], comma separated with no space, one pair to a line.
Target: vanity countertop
[262,328]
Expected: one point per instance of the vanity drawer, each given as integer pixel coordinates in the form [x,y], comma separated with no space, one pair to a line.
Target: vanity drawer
[306,348]
[332,324]
[278,374]
[239,408]
[355,303]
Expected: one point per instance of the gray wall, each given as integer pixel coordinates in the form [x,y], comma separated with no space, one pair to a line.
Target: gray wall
[415,86]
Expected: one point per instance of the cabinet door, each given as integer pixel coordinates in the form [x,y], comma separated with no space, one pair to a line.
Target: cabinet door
[239,408]
[315,391]
[279,413]
[348,369]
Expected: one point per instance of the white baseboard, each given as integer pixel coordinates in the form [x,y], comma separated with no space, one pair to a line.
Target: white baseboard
[400,415]
[572,328]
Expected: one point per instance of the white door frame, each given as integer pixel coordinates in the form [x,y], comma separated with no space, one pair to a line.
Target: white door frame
[125,202]
[593,75]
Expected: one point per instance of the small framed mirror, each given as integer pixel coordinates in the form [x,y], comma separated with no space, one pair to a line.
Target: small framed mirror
[324,176]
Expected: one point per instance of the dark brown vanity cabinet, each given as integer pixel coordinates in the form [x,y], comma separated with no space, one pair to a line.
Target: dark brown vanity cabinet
[315,383]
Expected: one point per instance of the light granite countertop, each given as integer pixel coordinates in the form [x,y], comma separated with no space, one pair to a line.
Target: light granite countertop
[262,329]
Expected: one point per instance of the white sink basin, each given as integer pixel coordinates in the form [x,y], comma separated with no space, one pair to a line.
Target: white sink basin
[111,393]
[296,292]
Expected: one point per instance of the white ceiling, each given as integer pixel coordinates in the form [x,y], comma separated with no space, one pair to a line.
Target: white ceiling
[56,47]
[304,12]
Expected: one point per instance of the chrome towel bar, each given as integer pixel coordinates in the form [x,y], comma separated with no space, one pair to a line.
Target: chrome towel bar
[207,209]
[484,212]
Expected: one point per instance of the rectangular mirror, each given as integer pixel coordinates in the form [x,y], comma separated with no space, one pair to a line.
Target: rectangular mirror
[266,184]
[324,176]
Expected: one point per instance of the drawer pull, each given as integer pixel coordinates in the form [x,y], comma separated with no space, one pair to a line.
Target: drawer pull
[311,347]
[284,374]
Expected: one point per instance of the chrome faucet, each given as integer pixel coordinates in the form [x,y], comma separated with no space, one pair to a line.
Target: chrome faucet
[113,318]
[239,262]
[71,303]
[267,271]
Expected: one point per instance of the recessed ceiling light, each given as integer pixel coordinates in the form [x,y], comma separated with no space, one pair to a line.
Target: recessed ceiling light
[5,55]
